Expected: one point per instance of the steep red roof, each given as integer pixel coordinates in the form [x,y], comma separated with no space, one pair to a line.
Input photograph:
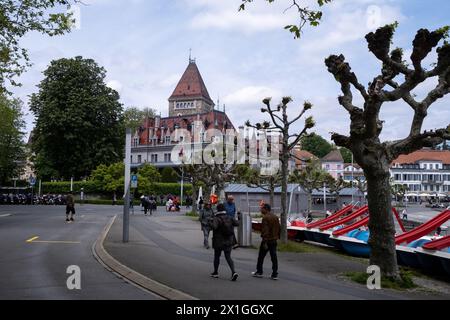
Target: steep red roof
[424,155]
[191,84]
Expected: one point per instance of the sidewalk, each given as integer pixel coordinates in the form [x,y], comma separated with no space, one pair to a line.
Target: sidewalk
[168,249]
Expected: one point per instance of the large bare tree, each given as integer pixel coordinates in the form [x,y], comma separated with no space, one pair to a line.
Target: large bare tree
[396,82]
[281,124]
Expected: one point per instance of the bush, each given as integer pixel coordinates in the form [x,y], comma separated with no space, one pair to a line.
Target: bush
[91,187]
[64,187]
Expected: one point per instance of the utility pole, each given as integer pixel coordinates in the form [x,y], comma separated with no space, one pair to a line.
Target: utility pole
[126,202]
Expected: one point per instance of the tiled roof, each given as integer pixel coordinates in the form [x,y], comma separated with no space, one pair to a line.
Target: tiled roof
[424,155]
[333,156]
[167,125]
[191,85]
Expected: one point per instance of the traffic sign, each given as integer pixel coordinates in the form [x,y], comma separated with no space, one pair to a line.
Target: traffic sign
[134,181]
[32,181]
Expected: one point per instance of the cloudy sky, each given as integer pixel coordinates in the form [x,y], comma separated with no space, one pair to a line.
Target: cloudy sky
[243,56]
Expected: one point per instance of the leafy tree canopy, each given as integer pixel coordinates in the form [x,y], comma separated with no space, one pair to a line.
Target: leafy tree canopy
[315,144]
[20,17]
[12,153]
[79,120]
[134,117]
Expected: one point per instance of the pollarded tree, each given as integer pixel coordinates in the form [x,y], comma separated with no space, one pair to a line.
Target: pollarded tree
[288,140]
[373,155]
[310,178]
[254,179]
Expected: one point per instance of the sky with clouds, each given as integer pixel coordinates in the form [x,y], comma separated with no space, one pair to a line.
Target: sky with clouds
[243,56]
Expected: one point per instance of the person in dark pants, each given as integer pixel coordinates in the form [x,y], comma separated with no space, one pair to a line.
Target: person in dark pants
[205,217]
[223,231]
[70,207]
[270,233]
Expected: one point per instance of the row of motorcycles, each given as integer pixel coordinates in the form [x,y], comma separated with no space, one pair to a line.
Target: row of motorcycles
[29,199]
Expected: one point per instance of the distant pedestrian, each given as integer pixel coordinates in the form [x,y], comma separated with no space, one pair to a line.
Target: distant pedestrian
[404,214]
[223,231]
[114,201]
[200,203]
[70,208]
[206,216]
[270,233]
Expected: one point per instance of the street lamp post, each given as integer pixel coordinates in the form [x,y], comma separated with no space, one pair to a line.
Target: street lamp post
[126,203]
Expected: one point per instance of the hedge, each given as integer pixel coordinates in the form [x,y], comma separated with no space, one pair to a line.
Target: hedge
[92,187]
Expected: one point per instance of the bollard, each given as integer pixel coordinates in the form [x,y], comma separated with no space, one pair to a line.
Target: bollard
[245,230]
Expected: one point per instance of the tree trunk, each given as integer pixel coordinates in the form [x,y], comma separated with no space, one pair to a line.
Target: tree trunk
[309,201]
[381,223]
[284,181]
[272,194]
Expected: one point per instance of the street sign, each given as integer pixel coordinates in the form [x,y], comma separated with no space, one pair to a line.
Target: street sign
[134,181]
[32,181]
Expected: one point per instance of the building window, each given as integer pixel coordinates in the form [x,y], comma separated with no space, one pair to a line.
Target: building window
[154,158]
[167,139]
[167,157]
[139,158]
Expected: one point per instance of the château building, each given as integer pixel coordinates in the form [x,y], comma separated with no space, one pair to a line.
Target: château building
[189,105]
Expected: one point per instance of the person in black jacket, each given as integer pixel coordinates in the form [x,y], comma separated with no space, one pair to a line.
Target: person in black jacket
[223,232]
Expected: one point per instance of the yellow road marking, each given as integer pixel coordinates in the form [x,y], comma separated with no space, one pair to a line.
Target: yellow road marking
[32,239]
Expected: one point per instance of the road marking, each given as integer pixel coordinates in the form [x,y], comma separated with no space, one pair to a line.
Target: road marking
[61,242]
[5,215]
[32,239]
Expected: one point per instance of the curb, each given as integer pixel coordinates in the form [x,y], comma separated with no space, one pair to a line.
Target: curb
[131,275]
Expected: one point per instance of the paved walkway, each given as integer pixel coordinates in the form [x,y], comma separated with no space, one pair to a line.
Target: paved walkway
[168,248]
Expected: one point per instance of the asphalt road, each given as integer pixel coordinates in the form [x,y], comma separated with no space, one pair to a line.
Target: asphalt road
[37,269]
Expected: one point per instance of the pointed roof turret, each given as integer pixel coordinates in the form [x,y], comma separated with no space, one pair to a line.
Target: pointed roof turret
[191,85]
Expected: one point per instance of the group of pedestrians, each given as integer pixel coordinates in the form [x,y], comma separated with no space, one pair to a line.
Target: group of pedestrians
[222,222]
[149,203]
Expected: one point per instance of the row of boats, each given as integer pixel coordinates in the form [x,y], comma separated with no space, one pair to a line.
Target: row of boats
[347,230]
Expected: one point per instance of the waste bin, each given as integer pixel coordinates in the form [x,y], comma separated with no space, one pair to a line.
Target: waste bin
[245,230]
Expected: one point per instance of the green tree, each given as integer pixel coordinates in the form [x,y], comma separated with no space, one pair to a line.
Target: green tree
[395,82]
[12,153]
[315,144]
[310,178]
[79,121]
[148,175]
[346,154]
[168,174]
[134,117]
[109,178]
[17,18]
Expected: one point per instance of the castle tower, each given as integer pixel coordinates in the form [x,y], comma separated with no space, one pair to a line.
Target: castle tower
[190,95]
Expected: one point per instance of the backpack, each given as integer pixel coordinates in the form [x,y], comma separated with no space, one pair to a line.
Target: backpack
[226,226]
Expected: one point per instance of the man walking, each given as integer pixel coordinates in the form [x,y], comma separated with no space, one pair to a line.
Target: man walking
[223,231]
[230,208]
[270,233]
[70,207]
[206,215]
